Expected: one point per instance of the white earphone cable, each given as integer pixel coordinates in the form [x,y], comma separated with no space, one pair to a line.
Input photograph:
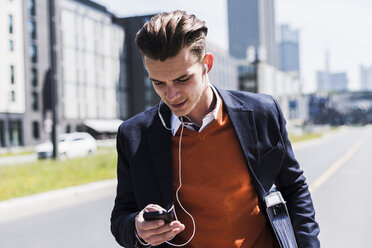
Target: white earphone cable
[178,189]
[161,117]
[179,178]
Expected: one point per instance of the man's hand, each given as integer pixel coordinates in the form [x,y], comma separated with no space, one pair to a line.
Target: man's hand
[156,232]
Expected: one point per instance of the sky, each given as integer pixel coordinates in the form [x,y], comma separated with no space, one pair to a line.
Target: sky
[341,27]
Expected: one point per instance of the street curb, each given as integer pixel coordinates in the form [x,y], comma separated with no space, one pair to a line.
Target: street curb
[52,200]
[326,136]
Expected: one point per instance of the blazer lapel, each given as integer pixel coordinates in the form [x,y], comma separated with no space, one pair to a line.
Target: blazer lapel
[242,119]
[159,140]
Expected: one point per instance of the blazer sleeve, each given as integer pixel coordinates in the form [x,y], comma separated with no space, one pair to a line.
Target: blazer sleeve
[292,184]
[125,208]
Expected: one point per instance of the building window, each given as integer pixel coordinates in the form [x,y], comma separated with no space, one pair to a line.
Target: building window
[15,133]
[33,53]
[34,77]
[12,81]
[12,96]
[35,101]
[35,130]
[31,7]
[11,45]
[32,29]
[10,24]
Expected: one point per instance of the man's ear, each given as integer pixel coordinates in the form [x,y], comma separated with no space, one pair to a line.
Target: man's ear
[208,61]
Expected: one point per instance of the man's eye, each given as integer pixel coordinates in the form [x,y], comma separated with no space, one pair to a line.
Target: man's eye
[158,83]
[183,80]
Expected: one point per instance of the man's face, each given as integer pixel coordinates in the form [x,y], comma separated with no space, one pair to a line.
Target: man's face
[181,82]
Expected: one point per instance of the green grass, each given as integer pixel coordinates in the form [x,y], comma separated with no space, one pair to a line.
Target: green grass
[307,136]
[45,175]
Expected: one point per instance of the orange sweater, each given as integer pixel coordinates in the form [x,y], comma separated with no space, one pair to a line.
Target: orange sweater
[217,190]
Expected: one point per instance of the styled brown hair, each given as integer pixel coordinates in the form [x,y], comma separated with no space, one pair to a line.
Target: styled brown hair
[166,34]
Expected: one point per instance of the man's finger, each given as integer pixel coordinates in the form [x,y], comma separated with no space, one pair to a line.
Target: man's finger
[158,239]
[149,225]
[153,207]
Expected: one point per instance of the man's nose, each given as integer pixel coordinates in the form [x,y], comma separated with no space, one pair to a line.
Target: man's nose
[172,93]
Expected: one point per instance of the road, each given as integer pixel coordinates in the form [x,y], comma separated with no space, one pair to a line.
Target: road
[338,169]
[85,225]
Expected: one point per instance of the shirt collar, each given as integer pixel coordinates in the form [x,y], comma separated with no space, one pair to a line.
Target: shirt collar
[211,116]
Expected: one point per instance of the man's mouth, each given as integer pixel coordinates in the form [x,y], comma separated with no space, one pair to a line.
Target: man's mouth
[179,105]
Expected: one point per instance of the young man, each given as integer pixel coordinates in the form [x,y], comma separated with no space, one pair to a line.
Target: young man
[213,154]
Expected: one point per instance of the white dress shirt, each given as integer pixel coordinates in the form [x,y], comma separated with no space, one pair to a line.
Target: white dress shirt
[208,119]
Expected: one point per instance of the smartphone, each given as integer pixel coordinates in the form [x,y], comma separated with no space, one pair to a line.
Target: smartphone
[168,217]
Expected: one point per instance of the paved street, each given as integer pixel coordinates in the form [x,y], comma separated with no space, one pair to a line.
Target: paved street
[338,168]
[342,162]
[85,225]
[68,218]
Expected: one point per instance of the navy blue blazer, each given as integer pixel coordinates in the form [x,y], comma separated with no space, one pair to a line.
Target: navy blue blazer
[145,164]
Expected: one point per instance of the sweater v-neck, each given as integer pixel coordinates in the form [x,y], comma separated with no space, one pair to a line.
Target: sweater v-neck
[218,122]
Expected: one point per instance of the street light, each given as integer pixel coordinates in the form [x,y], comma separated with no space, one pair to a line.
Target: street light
[53,75]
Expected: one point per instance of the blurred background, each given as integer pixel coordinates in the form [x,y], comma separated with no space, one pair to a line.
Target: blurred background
[70,74]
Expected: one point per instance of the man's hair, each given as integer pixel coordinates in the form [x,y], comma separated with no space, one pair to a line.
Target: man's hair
[166,34]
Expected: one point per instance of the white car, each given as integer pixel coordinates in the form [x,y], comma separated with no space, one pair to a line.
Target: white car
[70,145]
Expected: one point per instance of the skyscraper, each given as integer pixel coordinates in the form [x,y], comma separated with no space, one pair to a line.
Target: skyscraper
[252,28]
[289,50]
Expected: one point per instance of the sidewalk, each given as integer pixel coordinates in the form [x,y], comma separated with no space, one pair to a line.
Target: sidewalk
[26,206]
[23,159]
[19,159]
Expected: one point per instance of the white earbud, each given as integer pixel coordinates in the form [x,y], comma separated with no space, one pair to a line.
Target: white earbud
[206,68]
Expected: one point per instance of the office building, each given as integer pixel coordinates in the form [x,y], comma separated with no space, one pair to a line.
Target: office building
[247,73]
[89,47]
[88,62]
[37,63]
[331,82]
[12,68]
[289,54]
[140,94]
[252,30]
